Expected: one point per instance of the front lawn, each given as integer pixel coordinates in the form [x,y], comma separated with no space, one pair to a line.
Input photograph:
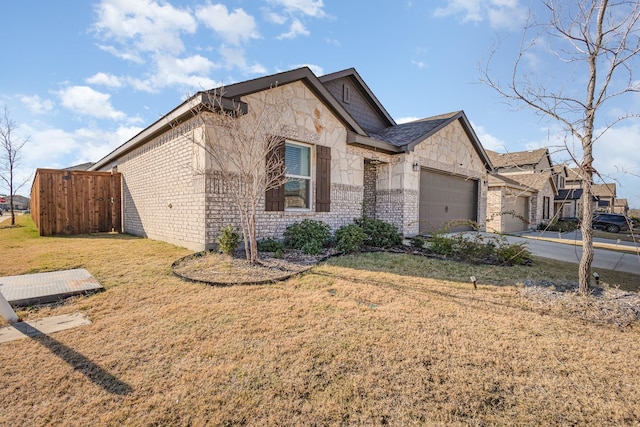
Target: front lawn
[366,339]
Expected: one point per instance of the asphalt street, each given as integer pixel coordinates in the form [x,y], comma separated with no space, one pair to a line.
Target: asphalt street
[570,252]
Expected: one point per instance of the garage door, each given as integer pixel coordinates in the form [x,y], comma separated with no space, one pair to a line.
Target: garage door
[518,208]
[445,199]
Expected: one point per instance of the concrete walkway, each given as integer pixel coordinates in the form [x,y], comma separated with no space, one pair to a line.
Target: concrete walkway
[41,288]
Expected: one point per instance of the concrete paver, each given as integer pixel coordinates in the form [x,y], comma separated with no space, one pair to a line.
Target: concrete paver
[44,326]
[40,288]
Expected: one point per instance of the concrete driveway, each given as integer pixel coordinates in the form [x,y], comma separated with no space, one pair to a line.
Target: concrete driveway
[569,251]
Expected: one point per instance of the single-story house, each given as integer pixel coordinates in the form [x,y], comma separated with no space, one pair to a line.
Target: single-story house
[345,156]
[621,206]
[521,193]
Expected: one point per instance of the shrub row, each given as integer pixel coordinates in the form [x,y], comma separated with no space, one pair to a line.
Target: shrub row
[476,249]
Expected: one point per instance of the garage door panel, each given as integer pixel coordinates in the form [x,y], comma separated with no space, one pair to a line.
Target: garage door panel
[516,210]
[445,199]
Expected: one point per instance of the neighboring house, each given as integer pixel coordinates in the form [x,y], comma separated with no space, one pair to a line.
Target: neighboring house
[606,195]
[569,204]
[80,167]
[418,176]
[621,206]
[574,178]
[521,193]
[20,203]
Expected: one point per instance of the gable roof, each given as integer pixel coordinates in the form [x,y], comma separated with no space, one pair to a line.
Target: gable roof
[373,100]
[533,182]
[393,139]
[518,158]
[608,189]
[407,136]
[575,174]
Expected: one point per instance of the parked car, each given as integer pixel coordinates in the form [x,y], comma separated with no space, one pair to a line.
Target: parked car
[612,223]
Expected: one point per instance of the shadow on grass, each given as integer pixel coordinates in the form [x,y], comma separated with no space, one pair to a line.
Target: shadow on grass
[80,363]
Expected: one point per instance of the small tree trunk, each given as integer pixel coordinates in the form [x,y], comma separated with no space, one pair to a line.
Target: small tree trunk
[584,268]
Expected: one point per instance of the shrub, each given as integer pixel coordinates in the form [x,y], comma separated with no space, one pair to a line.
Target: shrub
[560,226]
[349,238]
[310,236]
[270,245]
[513,254]
[228,240]
[479,249]
[441,245]
[380,234]
[418,242]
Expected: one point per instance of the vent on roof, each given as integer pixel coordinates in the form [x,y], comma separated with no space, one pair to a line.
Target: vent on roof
[346,94]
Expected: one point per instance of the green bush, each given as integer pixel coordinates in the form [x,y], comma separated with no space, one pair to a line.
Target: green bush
[380,234]
[310,236]
[418,242]
[270,245]
[228,240]
[349,238]
[559,226]
[441,245]
[513,254]
[479,249]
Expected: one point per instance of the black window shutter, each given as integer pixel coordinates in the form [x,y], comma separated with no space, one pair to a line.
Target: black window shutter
[274,198]
[323,179]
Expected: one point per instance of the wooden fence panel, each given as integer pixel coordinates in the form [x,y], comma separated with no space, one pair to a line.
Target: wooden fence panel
[76,202]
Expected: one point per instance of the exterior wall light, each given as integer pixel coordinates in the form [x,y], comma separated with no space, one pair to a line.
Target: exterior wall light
[416,166]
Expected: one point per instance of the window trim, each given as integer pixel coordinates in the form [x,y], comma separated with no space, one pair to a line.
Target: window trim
[310,178]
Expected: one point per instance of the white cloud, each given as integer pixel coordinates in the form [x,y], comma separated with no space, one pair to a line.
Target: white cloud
[296,29]
[57,148]
[235,28]
[105,79]
[36,104]
[151,26]
[188,73]
[87,101]
[275,18]
[316,69]
[402,120]
[307,7]
[488,141]
[501,14]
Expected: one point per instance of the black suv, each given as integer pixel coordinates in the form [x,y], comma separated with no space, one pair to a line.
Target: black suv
[612,223]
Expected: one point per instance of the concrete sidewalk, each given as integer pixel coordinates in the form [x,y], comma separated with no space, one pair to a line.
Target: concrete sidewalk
[41,288]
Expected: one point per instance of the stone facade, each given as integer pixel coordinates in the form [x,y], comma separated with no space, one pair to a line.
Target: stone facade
[173,191]
[305,120]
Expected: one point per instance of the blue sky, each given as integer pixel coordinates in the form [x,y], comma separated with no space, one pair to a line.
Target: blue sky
[82,79]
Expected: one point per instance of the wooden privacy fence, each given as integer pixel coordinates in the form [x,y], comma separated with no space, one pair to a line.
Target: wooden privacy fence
[76,202]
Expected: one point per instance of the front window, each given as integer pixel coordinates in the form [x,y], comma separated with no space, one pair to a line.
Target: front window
[297,176]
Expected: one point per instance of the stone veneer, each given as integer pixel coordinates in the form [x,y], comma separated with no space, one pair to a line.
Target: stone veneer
[167,196]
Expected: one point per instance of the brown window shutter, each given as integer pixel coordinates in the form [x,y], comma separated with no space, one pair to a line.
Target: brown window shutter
[323,179]
[274,198]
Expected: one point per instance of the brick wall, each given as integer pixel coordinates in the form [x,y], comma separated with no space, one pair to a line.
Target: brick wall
[163,196]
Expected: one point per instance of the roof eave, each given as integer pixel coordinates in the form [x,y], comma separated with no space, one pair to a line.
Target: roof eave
[468,130]
[187,109]
[372,143]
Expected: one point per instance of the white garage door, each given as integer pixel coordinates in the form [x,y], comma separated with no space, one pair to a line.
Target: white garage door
[446,199]
[516,213]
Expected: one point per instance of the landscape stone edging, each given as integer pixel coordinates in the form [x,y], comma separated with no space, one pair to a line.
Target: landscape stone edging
[256,282]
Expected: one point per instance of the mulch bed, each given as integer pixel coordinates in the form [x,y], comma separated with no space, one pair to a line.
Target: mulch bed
[218,269]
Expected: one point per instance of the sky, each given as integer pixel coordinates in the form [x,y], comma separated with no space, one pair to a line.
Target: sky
[83,78]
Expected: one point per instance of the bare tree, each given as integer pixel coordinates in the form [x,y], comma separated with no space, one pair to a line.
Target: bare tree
[244,150]
[596,43]
[11,147]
